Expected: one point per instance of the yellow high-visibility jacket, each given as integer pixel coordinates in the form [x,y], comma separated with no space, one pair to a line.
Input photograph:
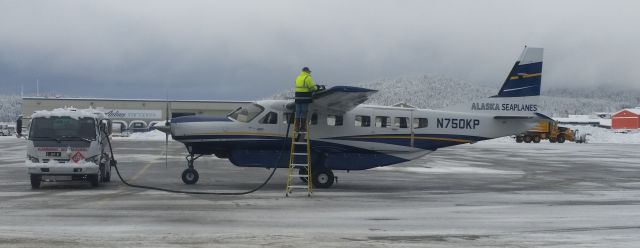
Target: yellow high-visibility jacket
[304,83]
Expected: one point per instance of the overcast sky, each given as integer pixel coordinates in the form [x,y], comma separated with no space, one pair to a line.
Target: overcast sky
[251,49]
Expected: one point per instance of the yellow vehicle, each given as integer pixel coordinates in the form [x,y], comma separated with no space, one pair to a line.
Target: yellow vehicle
[547,129]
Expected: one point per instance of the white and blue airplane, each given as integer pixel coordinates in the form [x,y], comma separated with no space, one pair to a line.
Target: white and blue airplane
[348,135]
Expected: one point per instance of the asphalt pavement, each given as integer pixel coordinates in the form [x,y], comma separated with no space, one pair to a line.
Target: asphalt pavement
[484,194]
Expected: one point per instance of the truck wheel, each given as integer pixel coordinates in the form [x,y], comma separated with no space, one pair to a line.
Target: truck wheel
[518,139]
[527,139]
[103,173]
[94,180]
[35,181]
[561,139]
[536,139]
[552,140]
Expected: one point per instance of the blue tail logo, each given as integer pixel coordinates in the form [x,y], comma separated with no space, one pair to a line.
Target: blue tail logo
[525,78]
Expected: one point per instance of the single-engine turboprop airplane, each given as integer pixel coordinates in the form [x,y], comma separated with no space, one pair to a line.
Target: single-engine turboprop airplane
[348,135]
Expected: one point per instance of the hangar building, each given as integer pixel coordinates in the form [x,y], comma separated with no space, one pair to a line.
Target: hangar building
[132,113]
[626,119]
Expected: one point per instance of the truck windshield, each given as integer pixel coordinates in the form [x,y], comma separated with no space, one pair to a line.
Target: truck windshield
[63,128]
[246,113]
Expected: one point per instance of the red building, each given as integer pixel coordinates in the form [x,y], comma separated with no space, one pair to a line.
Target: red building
[626,119]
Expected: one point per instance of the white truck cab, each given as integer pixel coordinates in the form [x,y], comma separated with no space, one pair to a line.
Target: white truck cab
[68,144]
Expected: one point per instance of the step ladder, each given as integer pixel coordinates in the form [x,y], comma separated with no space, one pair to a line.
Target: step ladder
[299,158]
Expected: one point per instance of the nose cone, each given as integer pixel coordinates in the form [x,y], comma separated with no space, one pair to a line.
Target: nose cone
[164,127]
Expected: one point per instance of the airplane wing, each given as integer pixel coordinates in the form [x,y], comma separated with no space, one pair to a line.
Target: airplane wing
[340,99]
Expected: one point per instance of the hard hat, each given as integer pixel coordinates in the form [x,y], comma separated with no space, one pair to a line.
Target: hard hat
[306,69]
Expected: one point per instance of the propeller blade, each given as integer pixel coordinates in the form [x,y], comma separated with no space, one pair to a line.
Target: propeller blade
[167,124]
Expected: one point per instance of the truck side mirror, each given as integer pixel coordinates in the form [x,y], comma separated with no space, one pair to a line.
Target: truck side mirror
[19,127]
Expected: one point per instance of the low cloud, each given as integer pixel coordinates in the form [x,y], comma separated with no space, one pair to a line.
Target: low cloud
[251,49]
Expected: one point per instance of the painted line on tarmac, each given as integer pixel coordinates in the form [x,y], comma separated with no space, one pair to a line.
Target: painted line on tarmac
[122,188]
[141,172]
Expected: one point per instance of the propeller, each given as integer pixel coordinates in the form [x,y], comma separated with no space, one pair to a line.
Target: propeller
[167,125]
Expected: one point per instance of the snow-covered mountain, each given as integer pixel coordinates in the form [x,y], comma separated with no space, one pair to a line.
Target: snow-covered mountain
[435,91]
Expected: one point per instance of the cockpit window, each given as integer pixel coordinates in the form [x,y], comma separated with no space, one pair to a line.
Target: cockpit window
[246,113]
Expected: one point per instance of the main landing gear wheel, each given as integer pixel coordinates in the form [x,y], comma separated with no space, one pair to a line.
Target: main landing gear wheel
[190,176]
[322,178]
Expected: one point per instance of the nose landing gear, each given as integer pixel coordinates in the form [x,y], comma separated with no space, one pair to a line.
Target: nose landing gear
[190,175]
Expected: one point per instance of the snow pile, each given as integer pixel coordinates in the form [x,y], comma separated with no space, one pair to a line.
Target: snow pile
[151,135]
[611,136]
[595,135]
[56,164]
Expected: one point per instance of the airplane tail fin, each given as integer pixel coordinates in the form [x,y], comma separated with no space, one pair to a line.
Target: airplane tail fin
[518,96]
[525,78]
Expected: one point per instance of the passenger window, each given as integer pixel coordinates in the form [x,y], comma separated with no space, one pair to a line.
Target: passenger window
[314,119]
[270,118]
[334,120]
[363,121]
[420,122]
[401,122]
[382,121]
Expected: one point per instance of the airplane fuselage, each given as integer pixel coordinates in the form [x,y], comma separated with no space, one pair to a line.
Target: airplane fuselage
[365,137]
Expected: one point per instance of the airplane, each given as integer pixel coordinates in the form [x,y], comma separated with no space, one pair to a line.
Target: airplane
[346,134]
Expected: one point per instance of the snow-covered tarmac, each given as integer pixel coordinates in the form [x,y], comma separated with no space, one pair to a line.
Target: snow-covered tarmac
[493,193]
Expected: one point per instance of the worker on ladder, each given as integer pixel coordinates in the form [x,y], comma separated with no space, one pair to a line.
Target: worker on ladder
[304,96]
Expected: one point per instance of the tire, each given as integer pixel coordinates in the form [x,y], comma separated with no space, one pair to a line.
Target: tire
[303,172]
[103,173]
[322,178]
[107,173]
[94,180]
[561,138]
[518,139]
[527,139]
[552,140]
[36,180]
[190,176]
[536,139]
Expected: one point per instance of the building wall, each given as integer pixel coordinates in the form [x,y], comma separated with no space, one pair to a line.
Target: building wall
[148,110]
[625,120]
